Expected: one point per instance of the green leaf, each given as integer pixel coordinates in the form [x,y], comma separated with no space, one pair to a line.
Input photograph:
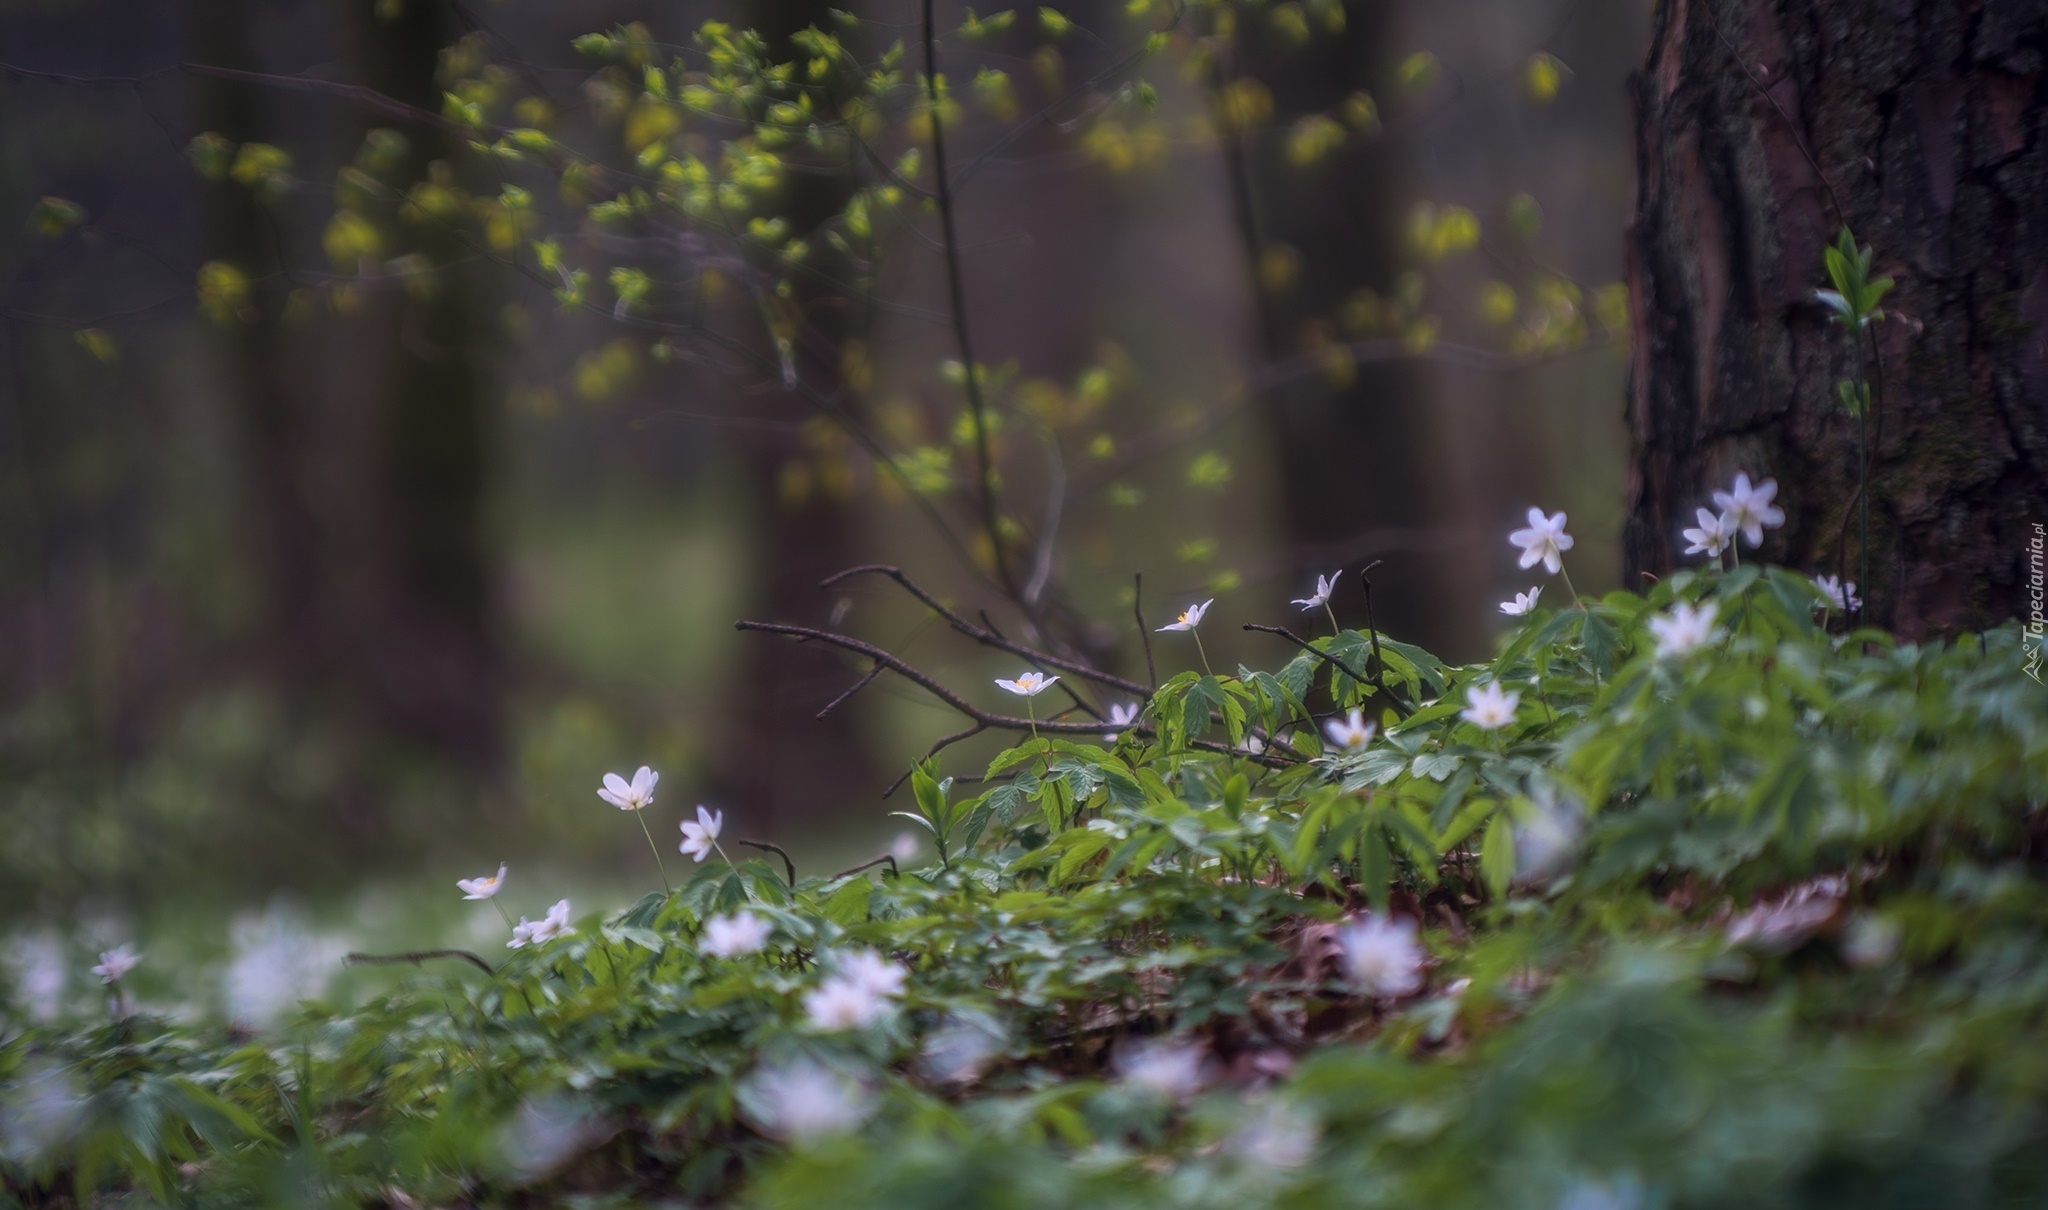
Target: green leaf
[1497,855]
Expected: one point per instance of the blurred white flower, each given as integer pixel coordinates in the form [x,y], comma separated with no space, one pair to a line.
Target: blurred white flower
[41,1107]
[1749,509]
[1546,838]
[872,971]
[547,928]
[1524,602]
[1163,1067]
[804,1100]
[1490,706]
[1783,923]
[1351,731]
[1278,1134]
[1625,1193]
[840,1003]
[1841,596]
[1383,956]
[1324,586]
[1711,537]
[1544,541]
[1191,617]
[40,974]
[700,837]
[905,847]
[630,796]
[1684,630]
[277,962]
[736,934]
[482,888]
[1121,714]
[1253,745]
[959,1051]
[1029,684]
[546,1133]
[1870,941]
[116,962]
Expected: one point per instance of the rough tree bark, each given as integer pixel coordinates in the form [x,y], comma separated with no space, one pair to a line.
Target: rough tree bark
[1762,126]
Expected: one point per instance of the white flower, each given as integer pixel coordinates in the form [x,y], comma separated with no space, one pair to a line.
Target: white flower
[1191,617]
[1684,630]
[1324,586]
[1870,941]
[1524,602]
[1749,509]
[40,974]
[1383,956]
[633,795]
[859,993]
[1029,684]
[1253,745]
[905,847]
[1122,714]
[699,837]
[1278,1135]
[960,1050]
[1782,924]
[1489,707]
[547,928]
[277,962]
[1841,597]
[482,888]
[1351,731]
[1543,542]
[1166,1069]
[736,934]
[116,962]
[804,1100]
[1712,536]
[840,1003]
[872,971]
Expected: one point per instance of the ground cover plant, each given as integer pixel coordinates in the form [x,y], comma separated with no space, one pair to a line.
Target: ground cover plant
[1692,897]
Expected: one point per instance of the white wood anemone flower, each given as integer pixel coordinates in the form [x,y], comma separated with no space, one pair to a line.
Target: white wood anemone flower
[1841,596]
[1028,684]
[1749,509]
[1351,732]
[1711,537]
[547,928]
[1325,585]
[1121,714]
[485,887]
[116,962]
[1684,630]
[701,837]
[1523,604]
[1190,617]
[635,795]
[1489,707]
[735,935]
[1544,541]
[1383,956]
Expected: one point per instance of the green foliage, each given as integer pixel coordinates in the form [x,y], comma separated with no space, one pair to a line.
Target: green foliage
[1760,924]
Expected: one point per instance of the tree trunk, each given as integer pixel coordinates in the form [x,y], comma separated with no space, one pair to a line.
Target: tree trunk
[1764,125]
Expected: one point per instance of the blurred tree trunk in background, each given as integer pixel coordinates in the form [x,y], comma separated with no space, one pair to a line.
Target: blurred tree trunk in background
[1928,124]
[430,648]
[1353,446]
[800,538]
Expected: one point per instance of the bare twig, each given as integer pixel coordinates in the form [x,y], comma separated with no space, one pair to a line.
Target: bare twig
[894,872]
[1376,681]
[778,850]
[987,636]
[417,957]
[852,689]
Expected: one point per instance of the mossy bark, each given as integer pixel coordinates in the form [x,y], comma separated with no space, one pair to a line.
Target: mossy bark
[1762,126]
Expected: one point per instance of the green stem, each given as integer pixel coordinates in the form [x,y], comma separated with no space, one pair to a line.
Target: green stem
[1203,651]
[654,848]
[1568,586]
[504,915]
[729,864]
[1334,628]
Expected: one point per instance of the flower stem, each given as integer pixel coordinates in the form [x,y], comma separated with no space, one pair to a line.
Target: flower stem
[1568,586]
[654,848]
[1334,628]
[1031,713]
[504,915]
[1203,651]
